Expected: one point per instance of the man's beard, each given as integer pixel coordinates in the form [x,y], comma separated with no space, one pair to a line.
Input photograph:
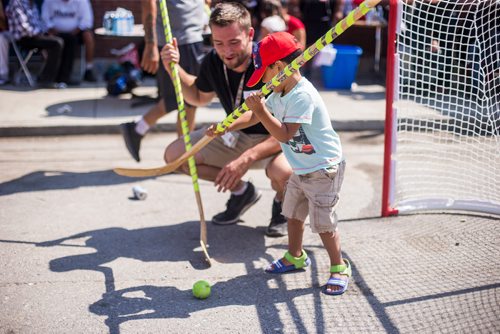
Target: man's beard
[240,60]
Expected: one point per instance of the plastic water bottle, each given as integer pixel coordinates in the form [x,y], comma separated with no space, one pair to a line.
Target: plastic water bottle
[121,21]
[106,22]
[130,22]
[114,22]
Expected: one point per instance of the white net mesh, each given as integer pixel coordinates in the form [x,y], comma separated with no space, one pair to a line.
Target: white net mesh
[448,106]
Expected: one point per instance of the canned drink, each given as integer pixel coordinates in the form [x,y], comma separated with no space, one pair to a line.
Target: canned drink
[139,193]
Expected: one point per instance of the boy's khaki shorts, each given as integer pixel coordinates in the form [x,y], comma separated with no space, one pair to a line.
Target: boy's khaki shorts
[217,154]
[315,194]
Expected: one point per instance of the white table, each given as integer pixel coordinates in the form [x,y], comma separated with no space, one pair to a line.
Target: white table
[137,31]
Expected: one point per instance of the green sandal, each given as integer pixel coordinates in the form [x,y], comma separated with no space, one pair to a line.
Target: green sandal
[278,267]
[342,269]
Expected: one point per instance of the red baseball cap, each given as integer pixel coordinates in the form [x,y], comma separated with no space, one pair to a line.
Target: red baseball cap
[269,50]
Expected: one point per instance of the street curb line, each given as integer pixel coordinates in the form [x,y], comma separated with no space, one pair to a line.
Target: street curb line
[70,130]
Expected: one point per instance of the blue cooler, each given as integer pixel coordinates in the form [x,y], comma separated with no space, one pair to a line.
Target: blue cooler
[341,74]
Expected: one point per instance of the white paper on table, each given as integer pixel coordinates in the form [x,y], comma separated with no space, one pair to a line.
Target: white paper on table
[325,57]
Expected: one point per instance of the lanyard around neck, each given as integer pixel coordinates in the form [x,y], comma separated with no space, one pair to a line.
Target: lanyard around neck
[235,101]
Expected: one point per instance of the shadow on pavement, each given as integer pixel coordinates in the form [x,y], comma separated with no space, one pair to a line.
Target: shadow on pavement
[104,107]
[154,302]
[361,95]
[175,243]
[55,180]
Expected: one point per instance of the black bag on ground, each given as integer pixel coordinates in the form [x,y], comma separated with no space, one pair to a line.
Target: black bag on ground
[122,78]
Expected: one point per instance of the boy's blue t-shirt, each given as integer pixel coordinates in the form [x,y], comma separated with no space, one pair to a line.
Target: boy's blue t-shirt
[316,145]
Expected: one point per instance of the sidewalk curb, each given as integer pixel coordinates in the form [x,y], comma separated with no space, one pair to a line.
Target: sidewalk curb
[70,130]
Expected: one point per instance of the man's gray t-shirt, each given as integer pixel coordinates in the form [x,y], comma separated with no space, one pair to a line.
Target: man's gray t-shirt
[187,19]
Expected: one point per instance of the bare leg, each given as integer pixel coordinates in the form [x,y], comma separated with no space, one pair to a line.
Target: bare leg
[331,241]
[88,40]
[205,172]
[295,235]
[155,113]
[279,171]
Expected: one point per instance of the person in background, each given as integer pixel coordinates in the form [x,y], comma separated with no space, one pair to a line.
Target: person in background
[26,27]
[294,26]
[4,47]
[187,20]
[319,16]
[271,24]
[293,8]
[71,20]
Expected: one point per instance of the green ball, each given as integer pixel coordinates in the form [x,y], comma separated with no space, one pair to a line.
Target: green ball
[201,289]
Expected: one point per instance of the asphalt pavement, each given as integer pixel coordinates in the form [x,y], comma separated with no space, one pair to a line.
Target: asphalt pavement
[80,255]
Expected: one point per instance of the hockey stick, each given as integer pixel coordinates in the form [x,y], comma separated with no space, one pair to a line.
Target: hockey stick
[185,132]
[298,62]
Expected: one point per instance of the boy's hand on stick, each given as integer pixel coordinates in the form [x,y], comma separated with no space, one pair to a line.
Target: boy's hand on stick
[255,103]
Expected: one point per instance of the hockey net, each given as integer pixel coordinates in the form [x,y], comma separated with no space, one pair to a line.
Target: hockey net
[443,110]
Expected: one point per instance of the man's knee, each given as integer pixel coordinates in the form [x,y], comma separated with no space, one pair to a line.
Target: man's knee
[279,169]
[172,152]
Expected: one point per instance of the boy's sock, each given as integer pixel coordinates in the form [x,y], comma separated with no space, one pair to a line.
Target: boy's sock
[241,190]
[141,127]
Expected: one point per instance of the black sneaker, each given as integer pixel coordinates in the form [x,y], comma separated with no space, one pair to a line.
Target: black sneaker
[278,226]
[237,205]
[89,76]
[132,139]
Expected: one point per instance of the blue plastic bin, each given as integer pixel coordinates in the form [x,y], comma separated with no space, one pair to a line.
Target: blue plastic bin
[341,74]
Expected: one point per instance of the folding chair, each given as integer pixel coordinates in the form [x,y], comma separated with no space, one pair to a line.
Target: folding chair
[23,60]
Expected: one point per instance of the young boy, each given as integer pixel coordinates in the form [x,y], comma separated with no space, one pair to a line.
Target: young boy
[300,121]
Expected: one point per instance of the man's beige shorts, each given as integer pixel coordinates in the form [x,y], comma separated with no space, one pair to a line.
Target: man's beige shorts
[315,194]
[217,154]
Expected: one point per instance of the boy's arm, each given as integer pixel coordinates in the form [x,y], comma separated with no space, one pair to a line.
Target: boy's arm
[281,131]
[245,121]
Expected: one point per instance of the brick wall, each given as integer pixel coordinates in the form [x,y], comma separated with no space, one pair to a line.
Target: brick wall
[104,44]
